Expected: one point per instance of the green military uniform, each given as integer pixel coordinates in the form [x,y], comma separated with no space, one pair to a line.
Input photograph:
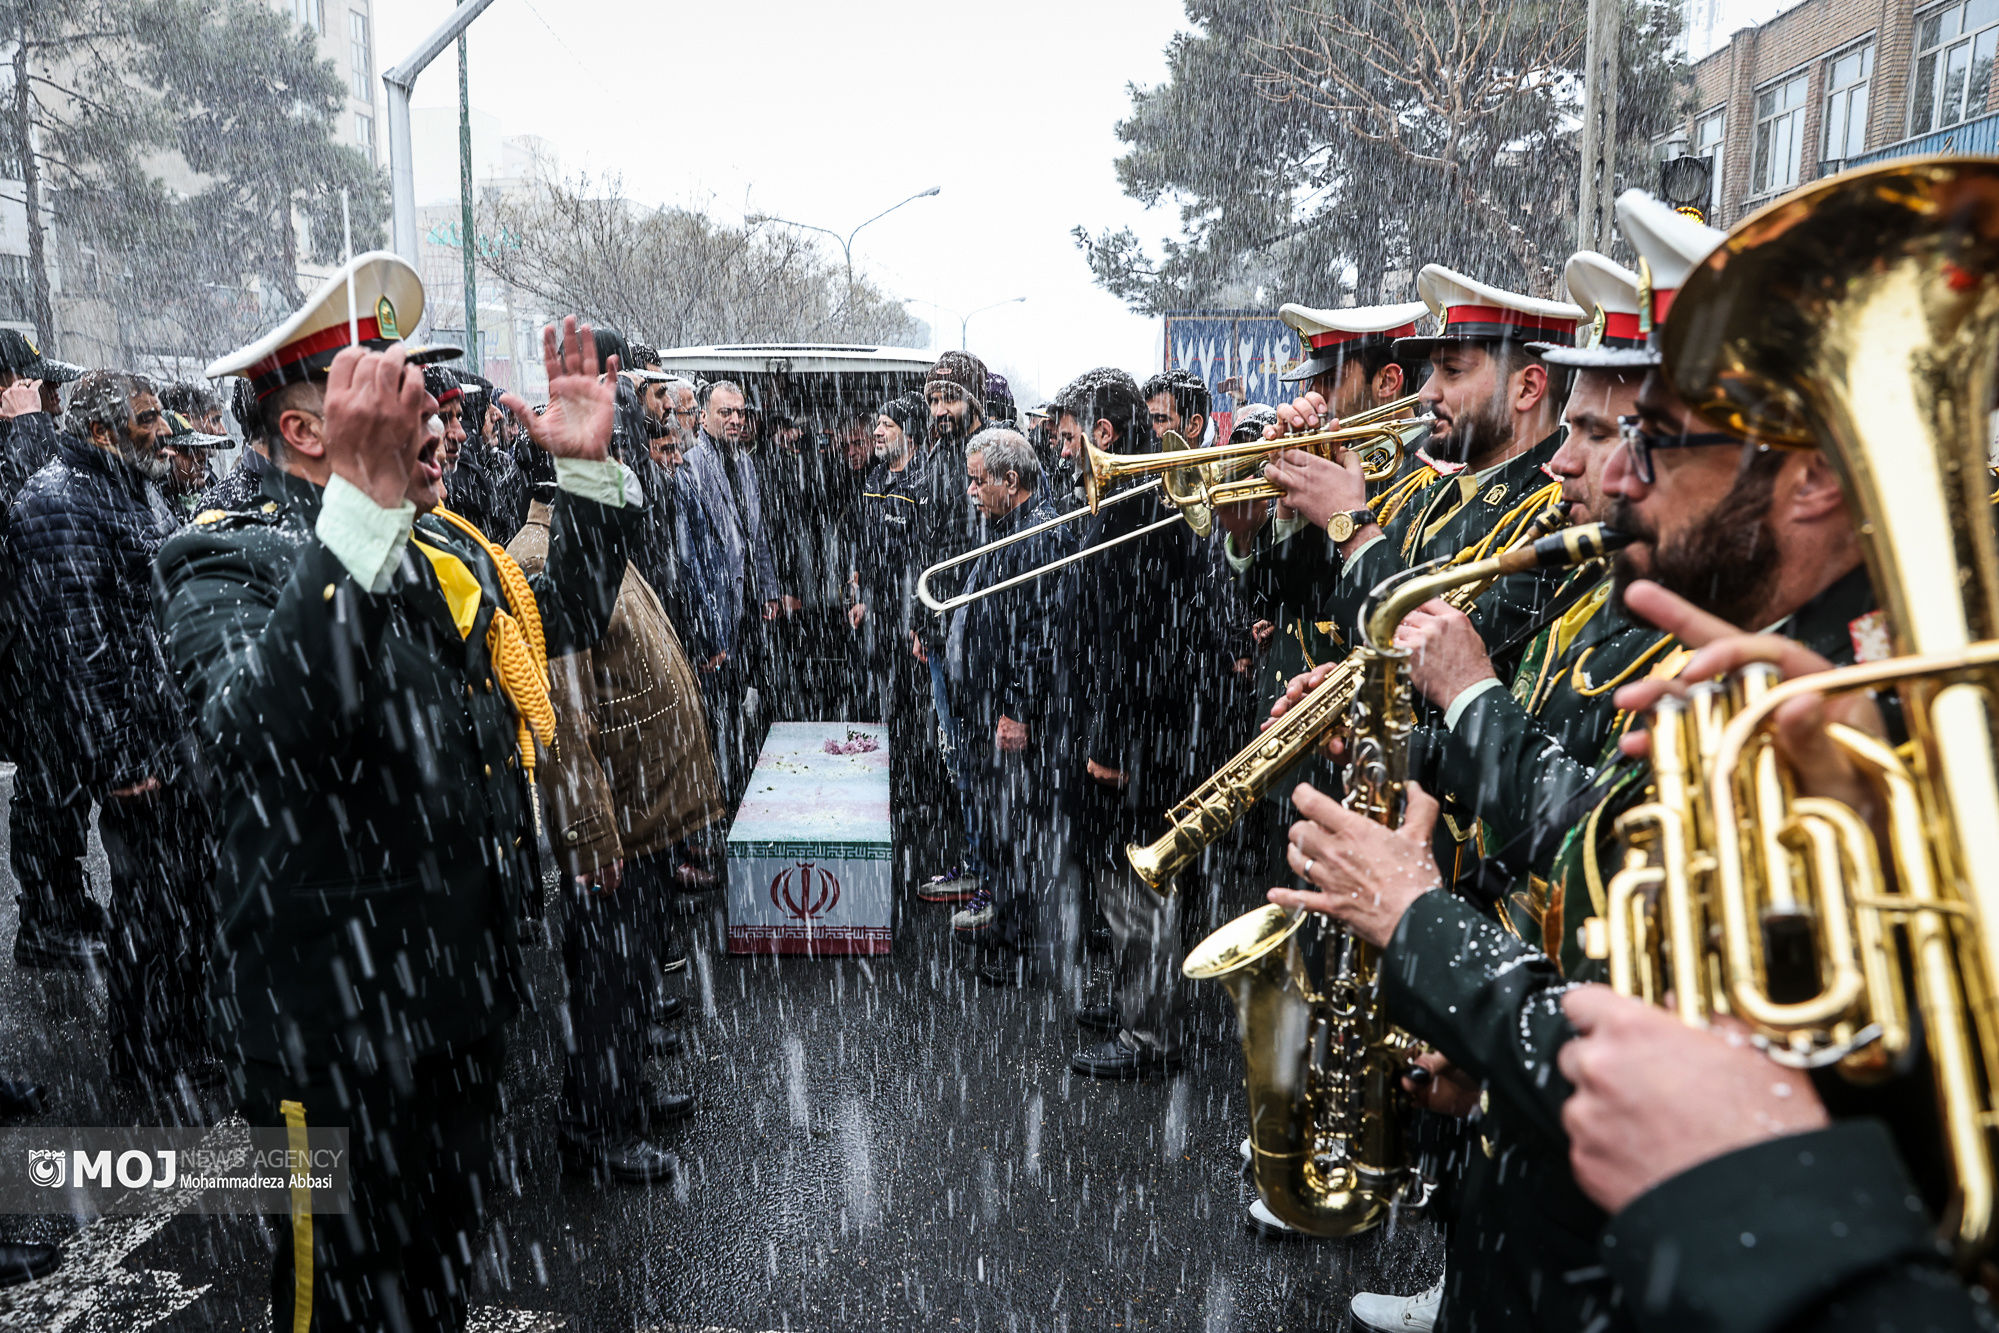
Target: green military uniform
[1521,1251]
[1515,760]
[375,854]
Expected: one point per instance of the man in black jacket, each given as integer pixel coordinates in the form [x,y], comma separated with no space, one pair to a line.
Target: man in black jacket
[1146,661]
[61,925]
[106,721]
[999,657]
[956,397]
[364,678]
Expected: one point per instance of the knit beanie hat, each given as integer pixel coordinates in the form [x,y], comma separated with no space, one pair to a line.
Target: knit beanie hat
[965,371]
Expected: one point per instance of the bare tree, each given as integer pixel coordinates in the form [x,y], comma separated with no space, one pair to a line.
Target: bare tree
[674,276]
[1470,97]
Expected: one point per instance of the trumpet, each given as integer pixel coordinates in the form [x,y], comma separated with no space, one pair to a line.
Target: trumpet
[1215,475]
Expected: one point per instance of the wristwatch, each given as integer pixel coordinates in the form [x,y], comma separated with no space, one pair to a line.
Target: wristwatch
[1344,525]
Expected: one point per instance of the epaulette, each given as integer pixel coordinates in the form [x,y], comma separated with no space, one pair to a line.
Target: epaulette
[267,512]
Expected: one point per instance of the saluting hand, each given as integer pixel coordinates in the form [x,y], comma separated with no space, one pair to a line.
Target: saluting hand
[375,408]
[582,408]
[20,398]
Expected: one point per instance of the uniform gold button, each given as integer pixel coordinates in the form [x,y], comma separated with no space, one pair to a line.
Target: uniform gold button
[328,594]
[489,770]
[572,835]
[489,684]
[468,691]
[510,761]
[270,506]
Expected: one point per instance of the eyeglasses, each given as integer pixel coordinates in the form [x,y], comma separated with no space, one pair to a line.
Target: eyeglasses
[1644,443]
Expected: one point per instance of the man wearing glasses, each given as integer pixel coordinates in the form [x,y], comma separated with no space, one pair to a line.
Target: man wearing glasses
[1723,529]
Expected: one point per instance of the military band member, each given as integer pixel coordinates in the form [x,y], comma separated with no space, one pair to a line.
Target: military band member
[1754,537]
[366,687]
[1515,757]
[1351,363]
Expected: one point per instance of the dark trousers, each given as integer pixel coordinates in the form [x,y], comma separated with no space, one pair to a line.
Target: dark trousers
[1014,810]
[160,848]
[608,945]
[734,730]
[920,810]
[421,1139]
[1147,930]
[49,833]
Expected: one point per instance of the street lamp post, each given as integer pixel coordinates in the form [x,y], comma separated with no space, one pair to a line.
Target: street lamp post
[847,241]
[965,317]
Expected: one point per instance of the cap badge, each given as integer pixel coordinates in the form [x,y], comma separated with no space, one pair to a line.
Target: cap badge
[1596,327]
[1644,298]
[385,318]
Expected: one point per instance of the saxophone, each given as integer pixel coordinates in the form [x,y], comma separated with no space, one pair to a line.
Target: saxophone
[1213,808]
[1327,1113]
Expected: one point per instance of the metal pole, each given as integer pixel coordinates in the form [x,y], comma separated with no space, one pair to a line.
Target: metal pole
[399,83]
[468,235]
[1599,137]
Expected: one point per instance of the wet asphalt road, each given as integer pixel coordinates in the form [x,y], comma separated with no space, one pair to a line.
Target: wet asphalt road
[879,1145]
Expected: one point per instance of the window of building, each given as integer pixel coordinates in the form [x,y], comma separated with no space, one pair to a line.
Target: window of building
[1954,50]
[1847,78]
[364,134]
[312,13]
[1780,133]
[1708,132]
[360,56]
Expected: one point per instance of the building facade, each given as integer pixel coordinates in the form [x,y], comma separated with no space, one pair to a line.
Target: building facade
[1830,84]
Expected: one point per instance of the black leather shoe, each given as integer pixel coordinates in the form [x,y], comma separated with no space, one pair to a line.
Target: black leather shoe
[669,1009]
[1003,967]
[660,1107]
[631,1160]
[1116,1060]
[664,1041]
[24,1261]
[57,948]
[1098,1018]
[18,1097]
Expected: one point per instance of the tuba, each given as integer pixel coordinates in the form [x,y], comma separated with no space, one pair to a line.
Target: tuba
[1327,1115]
[1859,316]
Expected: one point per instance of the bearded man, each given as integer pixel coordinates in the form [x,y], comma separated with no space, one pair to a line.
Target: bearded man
[107,722]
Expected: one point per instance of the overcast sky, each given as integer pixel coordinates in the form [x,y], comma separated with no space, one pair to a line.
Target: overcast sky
[829,113]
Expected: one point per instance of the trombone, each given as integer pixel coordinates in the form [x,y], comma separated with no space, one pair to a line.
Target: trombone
[923,593]
[1217,475]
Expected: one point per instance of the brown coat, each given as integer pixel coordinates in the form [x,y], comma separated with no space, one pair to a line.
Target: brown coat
[633,772]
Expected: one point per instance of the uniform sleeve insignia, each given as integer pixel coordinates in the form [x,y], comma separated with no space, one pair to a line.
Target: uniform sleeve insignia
[270,506]
[1496,494]
[1870,637]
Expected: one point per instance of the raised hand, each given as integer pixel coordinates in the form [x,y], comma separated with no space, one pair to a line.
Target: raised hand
[20,398]
[375,406]
[582,408]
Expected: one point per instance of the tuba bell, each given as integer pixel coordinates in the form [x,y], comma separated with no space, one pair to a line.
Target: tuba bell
[1858,316]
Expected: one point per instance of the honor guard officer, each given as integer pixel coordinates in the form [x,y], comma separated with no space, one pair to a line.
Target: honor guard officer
[369,687]
[1761,538]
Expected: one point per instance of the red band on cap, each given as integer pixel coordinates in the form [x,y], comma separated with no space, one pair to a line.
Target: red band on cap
[1499,314]
[1334,337]
[451,395]
[1662,302]
[313,344]
[1617,324]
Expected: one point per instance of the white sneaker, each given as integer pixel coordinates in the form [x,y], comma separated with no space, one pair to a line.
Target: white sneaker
[1398,1314]
[1267,1223]
[976,916]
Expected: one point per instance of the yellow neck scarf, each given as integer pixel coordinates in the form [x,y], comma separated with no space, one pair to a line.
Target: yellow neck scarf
[514,641]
